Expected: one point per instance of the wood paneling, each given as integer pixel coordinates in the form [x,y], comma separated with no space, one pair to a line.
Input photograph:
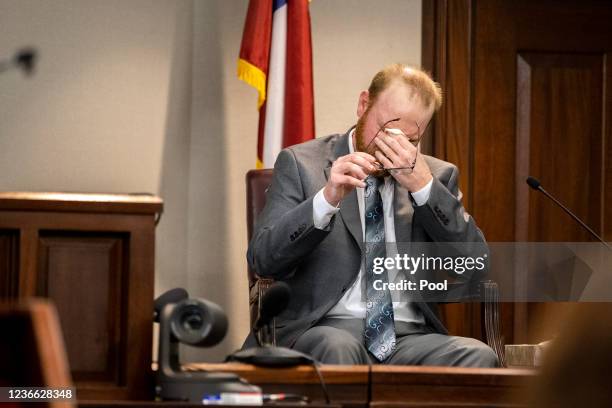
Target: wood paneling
[9,258]
[564,137]
[394,386]
[93,255]
[95,325]
[528,92]
[446,53]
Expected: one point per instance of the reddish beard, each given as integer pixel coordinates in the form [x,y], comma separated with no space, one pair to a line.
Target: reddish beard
[363,147]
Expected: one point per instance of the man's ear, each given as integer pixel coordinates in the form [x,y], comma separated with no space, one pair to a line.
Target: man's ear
[362,105]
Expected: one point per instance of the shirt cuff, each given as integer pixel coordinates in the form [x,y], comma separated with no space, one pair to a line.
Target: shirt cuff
[322,211]
[420,197]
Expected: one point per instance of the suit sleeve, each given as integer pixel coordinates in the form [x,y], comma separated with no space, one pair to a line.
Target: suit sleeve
[443,215]
[446,221]
[285,230]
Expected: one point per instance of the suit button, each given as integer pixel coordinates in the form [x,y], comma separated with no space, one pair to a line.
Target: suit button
[313,322]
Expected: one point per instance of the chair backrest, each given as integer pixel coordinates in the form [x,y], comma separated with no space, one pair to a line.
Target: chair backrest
[257,183]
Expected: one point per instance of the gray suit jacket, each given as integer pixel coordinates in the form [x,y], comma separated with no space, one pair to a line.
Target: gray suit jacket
[321,265]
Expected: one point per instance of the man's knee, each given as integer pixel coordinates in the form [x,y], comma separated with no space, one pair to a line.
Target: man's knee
[331,346]
[474,353]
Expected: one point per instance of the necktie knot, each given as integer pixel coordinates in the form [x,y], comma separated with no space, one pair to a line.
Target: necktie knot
[372,185]
[374,182]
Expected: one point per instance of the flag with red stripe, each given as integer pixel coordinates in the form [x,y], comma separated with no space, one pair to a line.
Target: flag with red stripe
[276,59]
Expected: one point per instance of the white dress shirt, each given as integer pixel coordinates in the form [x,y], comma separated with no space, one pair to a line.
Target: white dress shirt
[352,305]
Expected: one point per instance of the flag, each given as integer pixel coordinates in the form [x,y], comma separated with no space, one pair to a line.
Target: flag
[276,59]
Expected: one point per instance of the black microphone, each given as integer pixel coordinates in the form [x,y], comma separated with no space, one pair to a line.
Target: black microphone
[535,184]
[273,302]
[25,59]
[171,296]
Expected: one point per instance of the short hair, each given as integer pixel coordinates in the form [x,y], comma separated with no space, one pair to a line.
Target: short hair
[419,82]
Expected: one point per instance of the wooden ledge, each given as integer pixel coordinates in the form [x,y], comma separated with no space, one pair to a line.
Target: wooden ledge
[304,374]
[382,374]
[81,202]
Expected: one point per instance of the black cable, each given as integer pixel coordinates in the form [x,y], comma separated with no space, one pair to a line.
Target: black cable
[315,365]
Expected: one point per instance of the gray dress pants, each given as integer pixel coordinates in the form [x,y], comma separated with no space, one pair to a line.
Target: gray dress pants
[340,341]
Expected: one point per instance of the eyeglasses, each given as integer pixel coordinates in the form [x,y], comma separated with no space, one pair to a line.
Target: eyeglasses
[418,140]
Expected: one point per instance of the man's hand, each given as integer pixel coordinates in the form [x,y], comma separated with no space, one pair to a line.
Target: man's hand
[398,151]
[347,172]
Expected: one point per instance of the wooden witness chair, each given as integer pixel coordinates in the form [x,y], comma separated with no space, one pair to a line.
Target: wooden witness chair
[257,183]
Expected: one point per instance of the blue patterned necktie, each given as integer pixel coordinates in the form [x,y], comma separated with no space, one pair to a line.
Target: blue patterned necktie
[379,324]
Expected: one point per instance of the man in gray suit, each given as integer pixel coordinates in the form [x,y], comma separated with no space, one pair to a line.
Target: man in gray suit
[332,197]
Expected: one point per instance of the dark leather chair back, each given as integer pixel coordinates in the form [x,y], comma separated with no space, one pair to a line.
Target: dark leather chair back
[257,184]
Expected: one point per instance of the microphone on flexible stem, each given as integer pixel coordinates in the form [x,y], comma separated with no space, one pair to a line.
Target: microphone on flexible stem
[24,59]
[535,184]
[273,302]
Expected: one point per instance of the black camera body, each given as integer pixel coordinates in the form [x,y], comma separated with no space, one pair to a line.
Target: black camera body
[200,323]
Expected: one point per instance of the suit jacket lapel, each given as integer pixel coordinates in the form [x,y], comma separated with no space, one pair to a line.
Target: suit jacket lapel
[402,213]
[349,208]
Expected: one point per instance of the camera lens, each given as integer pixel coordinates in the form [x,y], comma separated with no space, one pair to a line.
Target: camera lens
[192,320]
[198,322]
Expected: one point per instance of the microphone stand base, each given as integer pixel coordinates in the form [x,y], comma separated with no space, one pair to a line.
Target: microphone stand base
[270,356]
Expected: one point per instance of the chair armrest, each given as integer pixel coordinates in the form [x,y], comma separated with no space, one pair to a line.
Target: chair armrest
[256,293]
[487,293]
[490,293]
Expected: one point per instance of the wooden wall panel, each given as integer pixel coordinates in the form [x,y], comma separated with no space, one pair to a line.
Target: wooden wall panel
[607,150]
[446,54]
[528,92]
[560,138]
[9,264]
[93,321]
[561,131]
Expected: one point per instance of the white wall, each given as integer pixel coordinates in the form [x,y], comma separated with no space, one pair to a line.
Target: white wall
[142,95]
[352,40]
[96,110]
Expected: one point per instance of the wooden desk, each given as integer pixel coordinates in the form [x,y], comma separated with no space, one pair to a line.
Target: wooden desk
[390,386]
[93,255]
[170,404]
[347,385]
[411,386]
